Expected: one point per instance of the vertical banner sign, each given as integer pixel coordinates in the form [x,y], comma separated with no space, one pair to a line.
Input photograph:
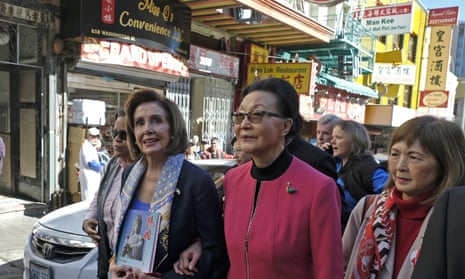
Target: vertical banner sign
[438,58]
[108,11]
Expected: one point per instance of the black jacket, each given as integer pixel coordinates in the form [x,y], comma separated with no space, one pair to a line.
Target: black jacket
[441,255]
[195,213]
[313,156]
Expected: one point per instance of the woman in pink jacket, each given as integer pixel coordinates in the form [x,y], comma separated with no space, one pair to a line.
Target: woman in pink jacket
[282,217]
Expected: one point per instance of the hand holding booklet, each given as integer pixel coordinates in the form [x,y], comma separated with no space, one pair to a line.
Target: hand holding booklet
[138,241]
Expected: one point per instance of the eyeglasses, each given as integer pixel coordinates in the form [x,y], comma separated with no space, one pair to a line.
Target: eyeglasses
[254,117]
[120,134]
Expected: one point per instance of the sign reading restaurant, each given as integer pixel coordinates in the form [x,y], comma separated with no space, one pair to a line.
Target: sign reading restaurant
[163,25]
[387,20]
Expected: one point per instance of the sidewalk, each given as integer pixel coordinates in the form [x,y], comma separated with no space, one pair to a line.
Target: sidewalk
[30,208]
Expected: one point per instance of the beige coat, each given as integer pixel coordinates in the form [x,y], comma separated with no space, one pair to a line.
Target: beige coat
[354,232]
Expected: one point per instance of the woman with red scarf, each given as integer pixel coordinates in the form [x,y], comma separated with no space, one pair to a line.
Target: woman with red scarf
[384,235]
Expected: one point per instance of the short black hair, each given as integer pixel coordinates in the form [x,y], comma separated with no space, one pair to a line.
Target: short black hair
[288,100]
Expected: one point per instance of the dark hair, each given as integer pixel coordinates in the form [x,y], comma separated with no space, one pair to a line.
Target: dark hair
[287,100]
[441,138]
[233,140]
[120,113]
[178,132]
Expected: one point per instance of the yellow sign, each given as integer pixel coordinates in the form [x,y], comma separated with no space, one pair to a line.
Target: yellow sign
[438,58]
[258,54]
[298,74]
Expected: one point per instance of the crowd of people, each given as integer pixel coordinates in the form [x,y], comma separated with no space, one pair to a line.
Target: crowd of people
[288,209]
[205,150]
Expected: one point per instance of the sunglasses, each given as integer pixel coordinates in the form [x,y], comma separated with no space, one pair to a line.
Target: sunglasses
[255,117]
[120,134]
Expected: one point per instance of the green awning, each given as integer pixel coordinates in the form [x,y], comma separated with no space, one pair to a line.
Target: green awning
[351,87]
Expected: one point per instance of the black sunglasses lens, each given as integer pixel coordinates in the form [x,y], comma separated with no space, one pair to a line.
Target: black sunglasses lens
[120,134]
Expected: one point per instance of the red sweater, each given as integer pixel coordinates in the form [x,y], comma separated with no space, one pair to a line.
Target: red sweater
[291,234]
[410,217]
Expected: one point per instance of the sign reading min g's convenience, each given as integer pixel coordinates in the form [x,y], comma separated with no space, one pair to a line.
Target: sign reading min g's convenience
[163,25]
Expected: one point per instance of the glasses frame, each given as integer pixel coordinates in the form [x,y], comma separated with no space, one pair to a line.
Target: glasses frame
[255,117]
[122,135]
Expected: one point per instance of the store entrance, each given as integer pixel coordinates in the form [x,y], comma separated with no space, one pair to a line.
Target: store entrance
[20,128]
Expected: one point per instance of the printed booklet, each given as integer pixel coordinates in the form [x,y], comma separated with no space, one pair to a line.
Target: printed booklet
[139,238]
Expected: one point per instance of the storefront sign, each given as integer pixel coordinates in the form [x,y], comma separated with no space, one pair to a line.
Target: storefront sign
[163,25]
[438,58]
[341,104]
[298,74]
[394,74]
[434,99]
[209,61]
[116,53]
[387,20]
[443,16]
[258,54]
[40,17]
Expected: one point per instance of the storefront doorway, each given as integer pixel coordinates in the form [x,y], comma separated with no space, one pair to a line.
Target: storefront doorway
[21,122]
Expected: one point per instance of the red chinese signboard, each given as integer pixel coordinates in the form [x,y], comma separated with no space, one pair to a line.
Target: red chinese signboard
[108,11]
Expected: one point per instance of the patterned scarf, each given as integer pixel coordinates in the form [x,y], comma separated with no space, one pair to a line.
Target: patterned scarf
[161,201]
[377,238]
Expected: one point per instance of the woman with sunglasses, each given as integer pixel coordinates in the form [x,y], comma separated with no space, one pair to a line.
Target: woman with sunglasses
[281,216]
[102,208]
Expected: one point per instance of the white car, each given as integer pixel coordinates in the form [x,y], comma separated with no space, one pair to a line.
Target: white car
[59,248]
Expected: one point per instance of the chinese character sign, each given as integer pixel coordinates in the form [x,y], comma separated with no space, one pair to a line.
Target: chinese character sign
[438,58]
[298,74]
[258,54]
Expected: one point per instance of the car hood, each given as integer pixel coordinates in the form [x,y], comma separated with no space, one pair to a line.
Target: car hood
[67,219]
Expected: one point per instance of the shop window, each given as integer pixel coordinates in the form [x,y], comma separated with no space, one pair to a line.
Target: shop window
[28,45]
[6,40]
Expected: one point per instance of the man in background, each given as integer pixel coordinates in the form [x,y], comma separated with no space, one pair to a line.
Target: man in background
[324,130]
[89,165]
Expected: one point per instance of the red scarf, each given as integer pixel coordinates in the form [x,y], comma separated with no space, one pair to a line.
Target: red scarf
[377,238]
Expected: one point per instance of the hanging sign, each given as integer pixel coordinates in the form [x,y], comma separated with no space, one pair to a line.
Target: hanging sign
[438,57]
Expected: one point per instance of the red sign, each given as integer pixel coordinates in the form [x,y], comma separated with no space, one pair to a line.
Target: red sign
[443,16]
[209,61]
[384,11]
[434,99]
[108,11]
[341,104]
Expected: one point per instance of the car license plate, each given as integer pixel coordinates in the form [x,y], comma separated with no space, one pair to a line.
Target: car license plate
[38,272]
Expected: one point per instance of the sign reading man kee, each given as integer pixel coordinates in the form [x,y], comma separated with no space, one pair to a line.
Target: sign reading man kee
[387,20]
[163,25]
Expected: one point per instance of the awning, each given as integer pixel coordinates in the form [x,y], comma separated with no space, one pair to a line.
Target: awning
[351,87]
[273,24]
